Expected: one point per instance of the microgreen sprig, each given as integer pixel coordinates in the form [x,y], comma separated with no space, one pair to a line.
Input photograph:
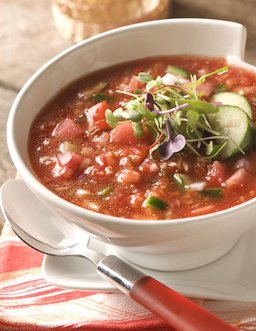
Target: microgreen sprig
[175,114]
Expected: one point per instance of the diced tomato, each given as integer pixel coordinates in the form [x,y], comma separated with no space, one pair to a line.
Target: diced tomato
[237,179]
[96,116]
[67,129]
[134,85]
[123,134]
[216,173]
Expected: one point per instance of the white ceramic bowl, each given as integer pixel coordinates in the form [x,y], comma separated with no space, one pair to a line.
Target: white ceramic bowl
[165,245]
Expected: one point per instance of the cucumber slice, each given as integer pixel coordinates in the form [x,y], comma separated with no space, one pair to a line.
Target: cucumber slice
[179,72]
[233,99]
[234,123]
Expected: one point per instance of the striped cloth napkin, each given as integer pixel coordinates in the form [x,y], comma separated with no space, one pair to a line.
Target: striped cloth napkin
[28,302]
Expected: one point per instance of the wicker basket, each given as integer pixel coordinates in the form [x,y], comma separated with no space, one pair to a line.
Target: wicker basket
[79,19]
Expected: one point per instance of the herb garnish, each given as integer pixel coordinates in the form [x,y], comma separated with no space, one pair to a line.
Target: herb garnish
[98,97]
[176,115]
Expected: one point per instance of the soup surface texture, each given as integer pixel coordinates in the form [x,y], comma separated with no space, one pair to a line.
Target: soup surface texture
[159,138]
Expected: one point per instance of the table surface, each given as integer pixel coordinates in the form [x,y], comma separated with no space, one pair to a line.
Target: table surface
[28,38]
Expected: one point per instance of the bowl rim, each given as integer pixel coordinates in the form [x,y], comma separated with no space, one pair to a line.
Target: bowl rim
[34,182]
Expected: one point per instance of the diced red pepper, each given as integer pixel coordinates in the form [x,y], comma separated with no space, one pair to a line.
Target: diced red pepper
[96,116]
[67,129]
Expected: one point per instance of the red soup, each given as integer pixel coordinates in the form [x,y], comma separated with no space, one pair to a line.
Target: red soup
[158,138]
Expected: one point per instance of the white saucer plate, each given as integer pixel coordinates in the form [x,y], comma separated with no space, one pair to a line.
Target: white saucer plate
[232,277]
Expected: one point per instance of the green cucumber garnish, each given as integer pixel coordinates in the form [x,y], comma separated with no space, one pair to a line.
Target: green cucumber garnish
[234,125]
[155,202]
[233,99]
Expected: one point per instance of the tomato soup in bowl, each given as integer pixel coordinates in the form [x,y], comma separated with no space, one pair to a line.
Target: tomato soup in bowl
[149,148]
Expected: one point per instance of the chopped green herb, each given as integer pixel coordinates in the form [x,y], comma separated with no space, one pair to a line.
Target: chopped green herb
[153,201]
[106,191]
[98,97]
[213,192]
[182,181]
[144,77]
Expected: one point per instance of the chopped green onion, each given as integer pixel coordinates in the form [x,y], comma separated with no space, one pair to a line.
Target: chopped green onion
[144,77]
[131,114]
[176,71]
[182,181]
[213,192]
[98,97]
[153,201]
[106,191]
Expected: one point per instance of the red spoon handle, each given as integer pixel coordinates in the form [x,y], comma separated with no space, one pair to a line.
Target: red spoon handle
[175,309]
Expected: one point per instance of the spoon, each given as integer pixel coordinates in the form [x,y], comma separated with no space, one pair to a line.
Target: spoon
[39,227]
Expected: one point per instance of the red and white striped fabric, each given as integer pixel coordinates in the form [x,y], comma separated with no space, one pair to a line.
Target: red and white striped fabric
[28,302]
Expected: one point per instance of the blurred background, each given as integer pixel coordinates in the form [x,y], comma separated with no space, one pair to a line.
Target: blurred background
[31,32]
